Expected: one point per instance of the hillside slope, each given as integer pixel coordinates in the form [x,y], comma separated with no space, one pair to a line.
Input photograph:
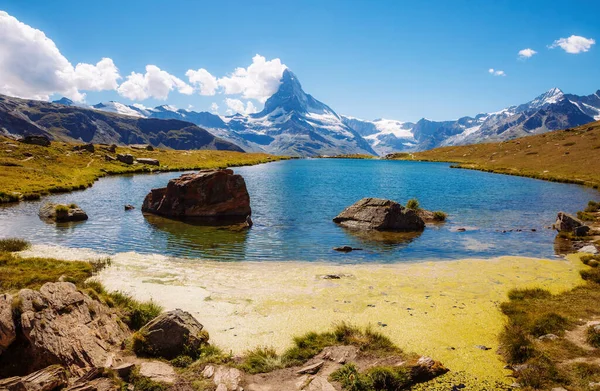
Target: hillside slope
[71,123]
[570,155]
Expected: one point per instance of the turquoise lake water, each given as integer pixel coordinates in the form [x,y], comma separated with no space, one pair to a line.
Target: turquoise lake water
[294,201]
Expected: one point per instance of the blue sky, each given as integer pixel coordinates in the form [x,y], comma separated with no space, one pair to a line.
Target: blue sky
[369,59]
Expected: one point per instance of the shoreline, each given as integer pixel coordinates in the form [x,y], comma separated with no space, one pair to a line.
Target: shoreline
[439,308]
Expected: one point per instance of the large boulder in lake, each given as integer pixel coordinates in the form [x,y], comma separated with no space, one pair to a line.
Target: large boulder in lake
[61,213]
[381,215]
[218,195]
[170,335]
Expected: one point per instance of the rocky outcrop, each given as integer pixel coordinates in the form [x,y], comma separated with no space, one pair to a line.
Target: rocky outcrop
[158,371]
[61,325]
[36,140]
[380,215]
[151,162]
[8,331]
[171,333]
[567,223]
[218,195]
[125,158]
[61,213]
[84,147]
[47,379]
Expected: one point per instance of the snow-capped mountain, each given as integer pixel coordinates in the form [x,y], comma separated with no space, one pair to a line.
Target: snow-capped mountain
[293,122]
[551,110]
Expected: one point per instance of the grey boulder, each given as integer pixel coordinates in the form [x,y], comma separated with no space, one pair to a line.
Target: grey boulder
[380,215]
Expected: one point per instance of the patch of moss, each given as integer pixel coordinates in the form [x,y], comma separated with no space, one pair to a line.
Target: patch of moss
[13,244]
[413,204]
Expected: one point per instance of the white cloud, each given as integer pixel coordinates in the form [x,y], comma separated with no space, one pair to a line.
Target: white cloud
[237,106]
[202,79]
[259,81]
[526,53]
[574,44]
[31,66]
[214,107]
[496,72]
[155,83]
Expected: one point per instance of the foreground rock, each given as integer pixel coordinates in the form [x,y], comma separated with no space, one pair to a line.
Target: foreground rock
[8,332]
[171,333]
[218,195]
[60,325]
[47,379]
[158,371]
[61,213]
[36,140]
[567,223]
[380,215]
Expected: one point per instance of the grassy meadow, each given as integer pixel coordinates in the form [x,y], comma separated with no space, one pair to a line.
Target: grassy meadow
[30,171]
[570,155]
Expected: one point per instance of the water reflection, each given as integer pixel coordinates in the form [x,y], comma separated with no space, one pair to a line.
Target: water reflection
[380,240]
[226,242]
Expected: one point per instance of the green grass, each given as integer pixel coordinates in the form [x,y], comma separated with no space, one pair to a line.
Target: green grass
[439,216]
[351,379]
[57,169]
[535,312]
[585,216]
[592,207]
[367,340]
[261,360]
[514,157]
[18,273]
[593,336]
[379,378]
[413,204]
[13,244]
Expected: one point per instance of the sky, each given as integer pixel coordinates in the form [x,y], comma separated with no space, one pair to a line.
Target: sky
[402,60]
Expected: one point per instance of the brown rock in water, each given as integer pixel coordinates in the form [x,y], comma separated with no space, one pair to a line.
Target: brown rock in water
[567,223]
[47,379]
[60,325]
[36,140]
[8,331]
[209,194]
[381,215]
[169,334]
[61,213]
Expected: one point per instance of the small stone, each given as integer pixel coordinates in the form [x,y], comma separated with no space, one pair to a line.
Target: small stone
[482,347]
[208,372]
[548,337]
[129,207]
[461,229]
[591,249]
[346,249]
[311,369]
[158,371]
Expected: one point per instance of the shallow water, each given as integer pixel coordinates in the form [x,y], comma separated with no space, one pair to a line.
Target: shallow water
[293,203]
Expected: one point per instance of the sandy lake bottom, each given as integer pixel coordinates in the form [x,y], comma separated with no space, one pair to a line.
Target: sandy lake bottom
[440,309]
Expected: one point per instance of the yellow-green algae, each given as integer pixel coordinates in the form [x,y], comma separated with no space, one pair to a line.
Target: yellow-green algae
[440,309]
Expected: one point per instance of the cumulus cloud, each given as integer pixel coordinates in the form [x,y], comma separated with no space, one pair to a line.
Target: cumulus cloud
[496,72]
[214,107]
[31,66]
[574,44]
[202,79]
[526,53]
[237,106]
[259,81]
[155,83]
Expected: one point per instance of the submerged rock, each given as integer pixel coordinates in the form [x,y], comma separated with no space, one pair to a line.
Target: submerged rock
[61,213]
[380,215]
[171,333]
[216,195]
[346,249]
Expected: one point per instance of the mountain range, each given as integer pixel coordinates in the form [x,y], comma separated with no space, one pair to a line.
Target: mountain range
[293,122]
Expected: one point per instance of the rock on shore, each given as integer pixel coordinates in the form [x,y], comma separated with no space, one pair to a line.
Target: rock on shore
[380,215]
[218,195]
